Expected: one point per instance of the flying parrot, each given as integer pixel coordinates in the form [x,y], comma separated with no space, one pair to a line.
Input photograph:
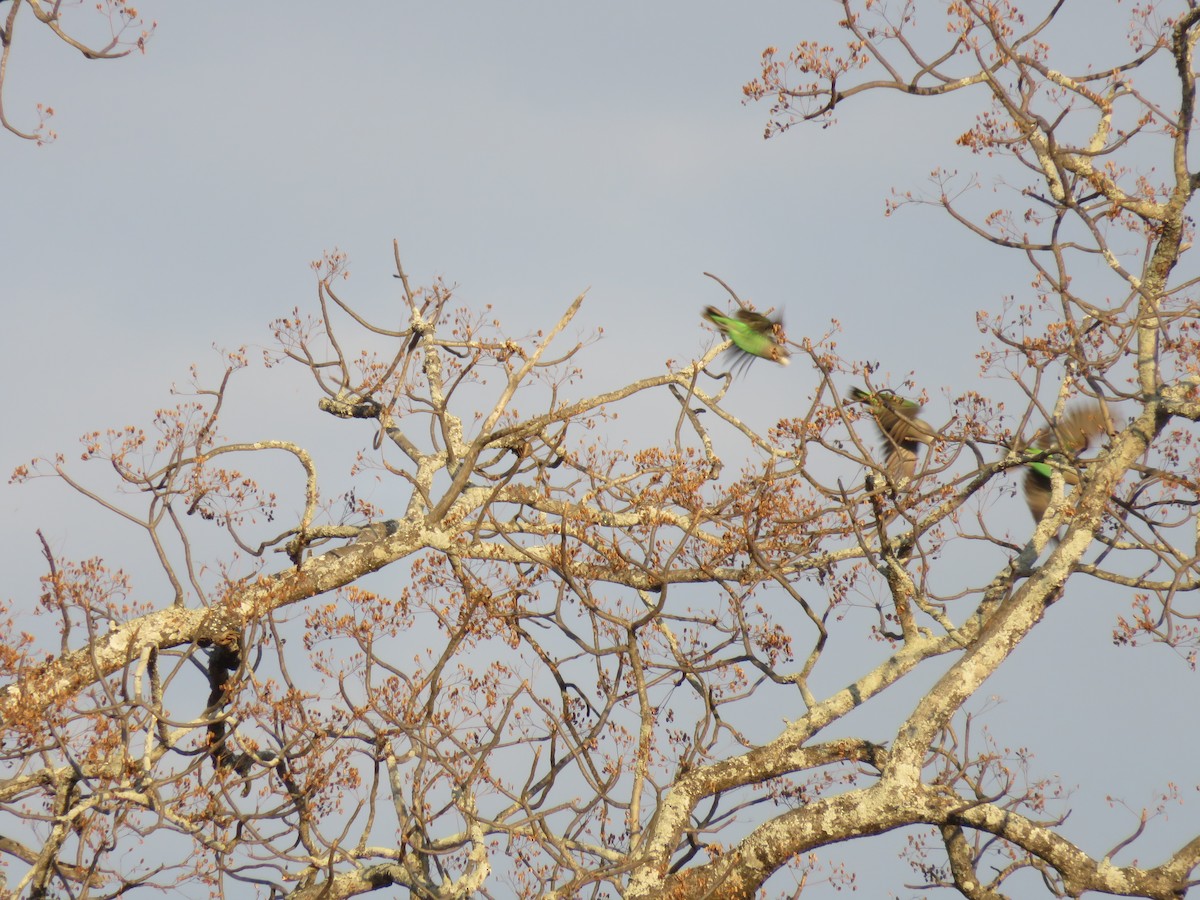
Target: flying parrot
[1079,429]
[753,335]
[902,432]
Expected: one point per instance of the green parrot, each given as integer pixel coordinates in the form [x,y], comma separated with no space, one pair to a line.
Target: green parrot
[902,432]
[1079,430]
[753,335]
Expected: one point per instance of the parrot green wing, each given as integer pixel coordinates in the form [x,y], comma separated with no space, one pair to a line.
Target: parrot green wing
[757,321]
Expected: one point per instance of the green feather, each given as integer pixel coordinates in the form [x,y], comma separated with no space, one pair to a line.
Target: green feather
[1043,469]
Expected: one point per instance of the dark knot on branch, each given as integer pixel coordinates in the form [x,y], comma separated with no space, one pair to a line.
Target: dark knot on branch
[357,408]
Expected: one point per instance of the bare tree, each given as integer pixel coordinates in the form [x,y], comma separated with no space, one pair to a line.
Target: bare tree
[124,31]
[589,671]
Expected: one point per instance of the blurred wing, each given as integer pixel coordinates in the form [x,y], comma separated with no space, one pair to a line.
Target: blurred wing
[1080,429]
[1037,489]
[757,321]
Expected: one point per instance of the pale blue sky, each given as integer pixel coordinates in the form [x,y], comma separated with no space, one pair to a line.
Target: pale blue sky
[525,152]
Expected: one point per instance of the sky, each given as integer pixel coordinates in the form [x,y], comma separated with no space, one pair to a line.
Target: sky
[525,153]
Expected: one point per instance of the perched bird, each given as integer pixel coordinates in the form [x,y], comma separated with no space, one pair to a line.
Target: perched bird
[1079,429]
[753,335]
[901,430]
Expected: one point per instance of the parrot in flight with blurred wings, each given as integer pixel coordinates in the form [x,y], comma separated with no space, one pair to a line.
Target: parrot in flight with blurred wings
[1079,429]
[902,432]
[753,334]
